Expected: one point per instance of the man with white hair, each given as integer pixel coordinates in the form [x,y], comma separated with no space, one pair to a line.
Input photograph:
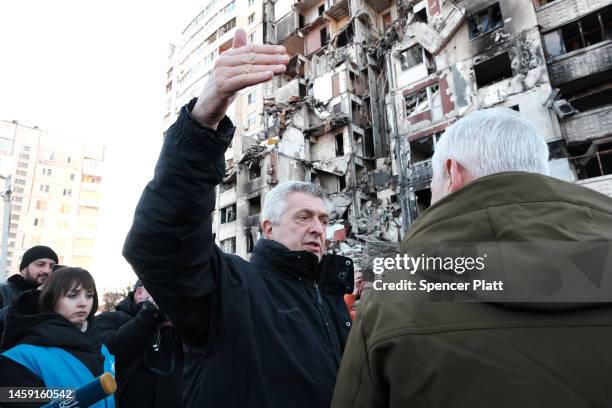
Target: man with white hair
[503,348]
[266,333]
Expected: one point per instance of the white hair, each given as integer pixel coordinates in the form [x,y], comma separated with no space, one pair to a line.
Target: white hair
[490,141]
[275,200]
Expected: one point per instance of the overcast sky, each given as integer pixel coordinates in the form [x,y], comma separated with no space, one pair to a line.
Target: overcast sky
[95,71]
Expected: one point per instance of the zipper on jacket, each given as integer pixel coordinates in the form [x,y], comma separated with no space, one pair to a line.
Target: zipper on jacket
[328,329]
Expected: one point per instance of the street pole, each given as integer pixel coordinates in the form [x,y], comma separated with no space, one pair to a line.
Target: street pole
[6,197]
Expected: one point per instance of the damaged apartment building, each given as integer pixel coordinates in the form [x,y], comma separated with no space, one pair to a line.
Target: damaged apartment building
[373,84]
[550,60]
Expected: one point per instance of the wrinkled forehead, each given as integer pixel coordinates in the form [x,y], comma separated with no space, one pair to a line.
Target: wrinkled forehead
[296,202]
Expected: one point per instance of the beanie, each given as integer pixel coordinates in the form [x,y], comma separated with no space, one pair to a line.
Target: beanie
[35,253]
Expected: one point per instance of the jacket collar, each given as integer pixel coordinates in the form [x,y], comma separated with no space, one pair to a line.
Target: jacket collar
[21,283]
[334,273]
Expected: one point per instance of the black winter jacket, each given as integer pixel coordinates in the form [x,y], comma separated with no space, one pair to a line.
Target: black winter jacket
[148,359]
[26,325]
[267,333]
[14,286]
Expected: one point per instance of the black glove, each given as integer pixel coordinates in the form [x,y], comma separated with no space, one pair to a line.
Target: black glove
[150,307]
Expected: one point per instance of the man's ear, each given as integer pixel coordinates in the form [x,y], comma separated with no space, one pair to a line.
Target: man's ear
[459,176]
[266,226]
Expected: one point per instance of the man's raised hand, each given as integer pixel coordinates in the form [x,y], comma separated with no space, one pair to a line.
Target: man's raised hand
[237,68]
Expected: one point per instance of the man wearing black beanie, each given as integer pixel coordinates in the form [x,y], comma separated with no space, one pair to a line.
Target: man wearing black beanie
[34,269]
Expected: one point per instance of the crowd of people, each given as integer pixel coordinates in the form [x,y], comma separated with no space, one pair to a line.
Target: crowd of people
[203,328]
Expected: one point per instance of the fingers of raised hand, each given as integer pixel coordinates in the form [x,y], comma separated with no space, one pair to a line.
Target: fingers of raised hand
[255,49]
[236,83]
[251,59]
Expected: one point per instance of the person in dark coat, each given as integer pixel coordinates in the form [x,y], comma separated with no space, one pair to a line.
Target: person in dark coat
[35,267]
[48,338]
[266,333]
[148,352]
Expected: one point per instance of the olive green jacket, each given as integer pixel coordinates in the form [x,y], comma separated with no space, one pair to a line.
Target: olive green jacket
[468,355]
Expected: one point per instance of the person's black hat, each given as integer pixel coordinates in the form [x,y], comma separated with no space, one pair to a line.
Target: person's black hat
[35,253]
[138,284]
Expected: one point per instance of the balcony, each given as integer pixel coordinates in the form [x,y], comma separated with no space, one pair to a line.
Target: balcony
[588,125]
[560,12]
[286,33]
[581,63]
[304,5]
[379,5]
[337,9]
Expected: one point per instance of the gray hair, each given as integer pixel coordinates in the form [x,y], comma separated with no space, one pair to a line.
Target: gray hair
[490,141]
[275,199]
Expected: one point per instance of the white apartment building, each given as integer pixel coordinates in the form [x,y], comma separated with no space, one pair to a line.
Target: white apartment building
[56,193]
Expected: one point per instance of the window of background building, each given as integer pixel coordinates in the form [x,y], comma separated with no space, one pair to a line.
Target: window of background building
[21,173]
[16,208]
[251,2]
[251,18]
[44,188]
[229,245]
[62,225]
[23,165]
[67,192]
[324,37]
[41,205]
[39,222]
[249,242]
[21,182]
[252,97]
[26,148]
[228,214]
[321,9]
[254,170]
[17,199]
[72,177]
[13,225]
[411,57]
[65,209]
[24,156]
[87,210]
[252,119]
[254,205]
[68,159]
[588,30]
[493,70]
[485,21]
[251,38]
[46,171]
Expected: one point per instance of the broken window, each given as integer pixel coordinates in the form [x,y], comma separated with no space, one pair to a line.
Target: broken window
[416,102]
[339,145]
[592,98]
[229,245]
[228,214]
[411,57]
[342,182]
[485,21]
[422,149]
[493,70]
[227,26]
[338,108]
[592,159]
[423,200]
[540,3]
[589,30]
[346,36]
[250,244]
[254,205]
[321,9]
[324,37]
[421,15]
[254,171]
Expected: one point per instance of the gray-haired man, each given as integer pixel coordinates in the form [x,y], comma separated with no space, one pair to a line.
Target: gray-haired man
[490,187]
[266,333]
